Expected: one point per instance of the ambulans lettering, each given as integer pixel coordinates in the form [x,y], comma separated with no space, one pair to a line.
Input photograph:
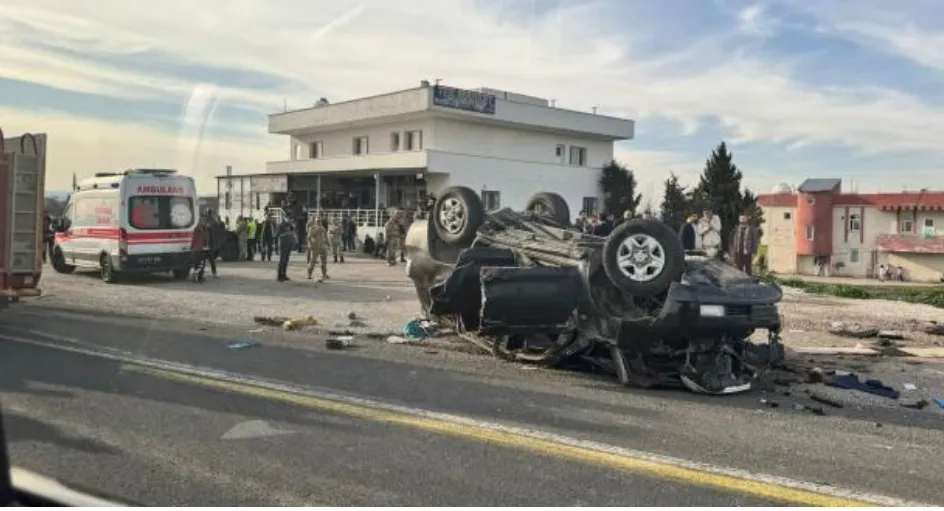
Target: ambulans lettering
[161,190]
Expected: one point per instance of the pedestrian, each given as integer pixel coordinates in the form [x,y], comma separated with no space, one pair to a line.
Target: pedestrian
[708,234]
[287,241]
[335,238]
[687,233]
[242,237]
[48,236]
[200,250]
[269,228]
[744,244]
[317,248]
[392,237]
[251,231]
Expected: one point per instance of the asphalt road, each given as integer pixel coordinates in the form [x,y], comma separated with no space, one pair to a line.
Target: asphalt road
[164,413]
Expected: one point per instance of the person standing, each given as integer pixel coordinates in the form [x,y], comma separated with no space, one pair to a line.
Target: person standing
[287,241]
[392,235]
[317,248]
[251,239]
[200,250]
[744,244]
[242,237]
[687,233]
[708,231]
[268,229]
[336,239]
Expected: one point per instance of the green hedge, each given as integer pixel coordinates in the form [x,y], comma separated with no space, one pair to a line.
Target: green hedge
[927,295]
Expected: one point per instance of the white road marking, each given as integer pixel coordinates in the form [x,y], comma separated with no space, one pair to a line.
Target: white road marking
[82,348]
[253,429]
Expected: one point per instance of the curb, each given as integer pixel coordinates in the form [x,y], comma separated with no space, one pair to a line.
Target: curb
[872,352]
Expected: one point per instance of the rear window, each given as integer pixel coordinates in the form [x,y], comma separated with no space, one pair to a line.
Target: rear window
[160,212]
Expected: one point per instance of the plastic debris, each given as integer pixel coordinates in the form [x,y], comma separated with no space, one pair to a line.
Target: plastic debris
[910,386]
[414,328]
[939,402]
[241,344]
[340,342]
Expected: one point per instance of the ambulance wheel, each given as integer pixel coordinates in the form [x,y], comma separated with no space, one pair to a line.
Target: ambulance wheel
[109,275]
[181,273]
[59,262]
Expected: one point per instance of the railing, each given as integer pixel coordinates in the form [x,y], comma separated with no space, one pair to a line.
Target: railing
[361,217]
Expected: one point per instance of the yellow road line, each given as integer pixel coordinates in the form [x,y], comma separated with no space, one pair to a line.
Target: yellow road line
[667,471]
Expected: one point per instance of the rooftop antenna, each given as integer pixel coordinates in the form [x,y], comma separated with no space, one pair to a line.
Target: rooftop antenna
[437,80]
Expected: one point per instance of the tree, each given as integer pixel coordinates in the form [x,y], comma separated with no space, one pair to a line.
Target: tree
[618,185]
[676,203]
[755,214]
[719,190]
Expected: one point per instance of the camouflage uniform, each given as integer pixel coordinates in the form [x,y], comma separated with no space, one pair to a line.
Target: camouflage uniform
[317,248]
[334,238]
[394,240]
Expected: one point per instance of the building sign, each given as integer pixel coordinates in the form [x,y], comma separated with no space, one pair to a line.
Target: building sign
[462,99]
[268,184]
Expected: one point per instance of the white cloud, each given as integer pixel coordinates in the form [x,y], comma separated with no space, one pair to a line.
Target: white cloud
[579,55]
[753,20]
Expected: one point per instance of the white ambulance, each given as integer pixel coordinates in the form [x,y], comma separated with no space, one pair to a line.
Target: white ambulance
[137,221]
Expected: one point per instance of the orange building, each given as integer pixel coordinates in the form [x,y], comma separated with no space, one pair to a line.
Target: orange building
[852,234]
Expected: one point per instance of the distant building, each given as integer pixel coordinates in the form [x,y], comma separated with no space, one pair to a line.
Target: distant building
[819,225]
[365,155]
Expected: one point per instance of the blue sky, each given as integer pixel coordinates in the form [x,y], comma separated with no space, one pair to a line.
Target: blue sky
[799,88]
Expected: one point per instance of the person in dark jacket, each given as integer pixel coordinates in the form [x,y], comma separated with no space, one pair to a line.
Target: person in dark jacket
[268,229]
[287,242]
[687,233]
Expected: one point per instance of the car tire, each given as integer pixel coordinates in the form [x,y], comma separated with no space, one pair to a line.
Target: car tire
[643,257]
[457,215]
[59,262]
[108,273]
[551,206]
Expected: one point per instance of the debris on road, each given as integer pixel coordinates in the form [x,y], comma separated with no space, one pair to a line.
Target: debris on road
[276,321]
[242,344]
[340,342]
[825,400]
[852,382]
[853,330]
[295,324]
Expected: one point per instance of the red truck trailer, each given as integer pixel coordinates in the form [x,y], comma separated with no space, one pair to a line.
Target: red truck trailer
[22,202]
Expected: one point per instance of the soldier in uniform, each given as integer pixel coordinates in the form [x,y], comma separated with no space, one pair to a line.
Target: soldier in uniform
[392,231]
[335,237]
[317,248]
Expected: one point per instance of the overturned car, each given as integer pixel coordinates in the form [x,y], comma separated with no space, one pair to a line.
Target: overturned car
[526,287]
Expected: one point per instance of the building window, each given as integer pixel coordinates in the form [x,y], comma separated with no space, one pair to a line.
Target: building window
[360,146]
[316,150]
[810,232]
[395,141]
[810,201]
[855,223]
[786,216]
[906,226]
[591,204]
[854,256]
[491,199]
[414,140]
[258,200]
[929,223]
[578,156]
[560,152]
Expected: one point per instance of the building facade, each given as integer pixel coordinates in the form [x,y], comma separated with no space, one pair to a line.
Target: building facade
[818,229]
[393,150]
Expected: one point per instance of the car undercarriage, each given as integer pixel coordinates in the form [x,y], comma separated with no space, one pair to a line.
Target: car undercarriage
[528,288]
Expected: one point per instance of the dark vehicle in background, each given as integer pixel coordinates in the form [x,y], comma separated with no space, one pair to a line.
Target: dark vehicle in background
[528,287]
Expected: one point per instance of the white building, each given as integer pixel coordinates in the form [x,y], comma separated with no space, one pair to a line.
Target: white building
[392,150]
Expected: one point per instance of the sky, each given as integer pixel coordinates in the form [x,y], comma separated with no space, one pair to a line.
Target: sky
[798,88]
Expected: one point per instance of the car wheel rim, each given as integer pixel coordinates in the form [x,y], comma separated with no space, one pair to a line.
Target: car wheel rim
[452,215]
[641,257]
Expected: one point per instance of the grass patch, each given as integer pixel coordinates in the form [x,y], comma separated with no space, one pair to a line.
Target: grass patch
[926,295]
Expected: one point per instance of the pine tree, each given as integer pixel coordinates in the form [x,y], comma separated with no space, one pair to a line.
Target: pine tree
[719,190]
[755,214]
[619,189]
[676,203]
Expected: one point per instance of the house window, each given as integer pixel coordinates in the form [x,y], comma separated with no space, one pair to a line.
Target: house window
[929,223]
[906,226]
[414,140]
[591,204]
[395,141]
[810,232]
[491,199]
[810,201]
[855,223]
[559,152]
[316,150]
[786,216]
[854,256]
[578,156]
[360,146]
[258,200]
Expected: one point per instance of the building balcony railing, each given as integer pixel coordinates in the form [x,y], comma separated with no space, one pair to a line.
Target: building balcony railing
[405,160]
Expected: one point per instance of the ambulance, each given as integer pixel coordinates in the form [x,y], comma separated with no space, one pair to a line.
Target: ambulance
[136,221]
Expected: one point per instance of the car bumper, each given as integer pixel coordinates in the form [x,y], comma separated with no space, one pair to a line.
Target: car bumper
[153,263]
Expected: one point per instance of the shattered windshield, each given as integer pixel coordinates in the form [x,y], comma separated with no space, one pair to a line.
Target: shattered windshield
[681,253]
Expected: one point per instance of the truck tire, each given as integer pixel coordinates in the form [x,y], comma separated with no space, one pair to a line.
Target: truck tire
[551,206]
[643,257]
[108,273]
[457,215]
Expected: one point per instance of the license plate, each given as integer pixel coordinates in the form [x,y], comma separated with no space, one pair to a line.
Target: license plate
[150,259]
